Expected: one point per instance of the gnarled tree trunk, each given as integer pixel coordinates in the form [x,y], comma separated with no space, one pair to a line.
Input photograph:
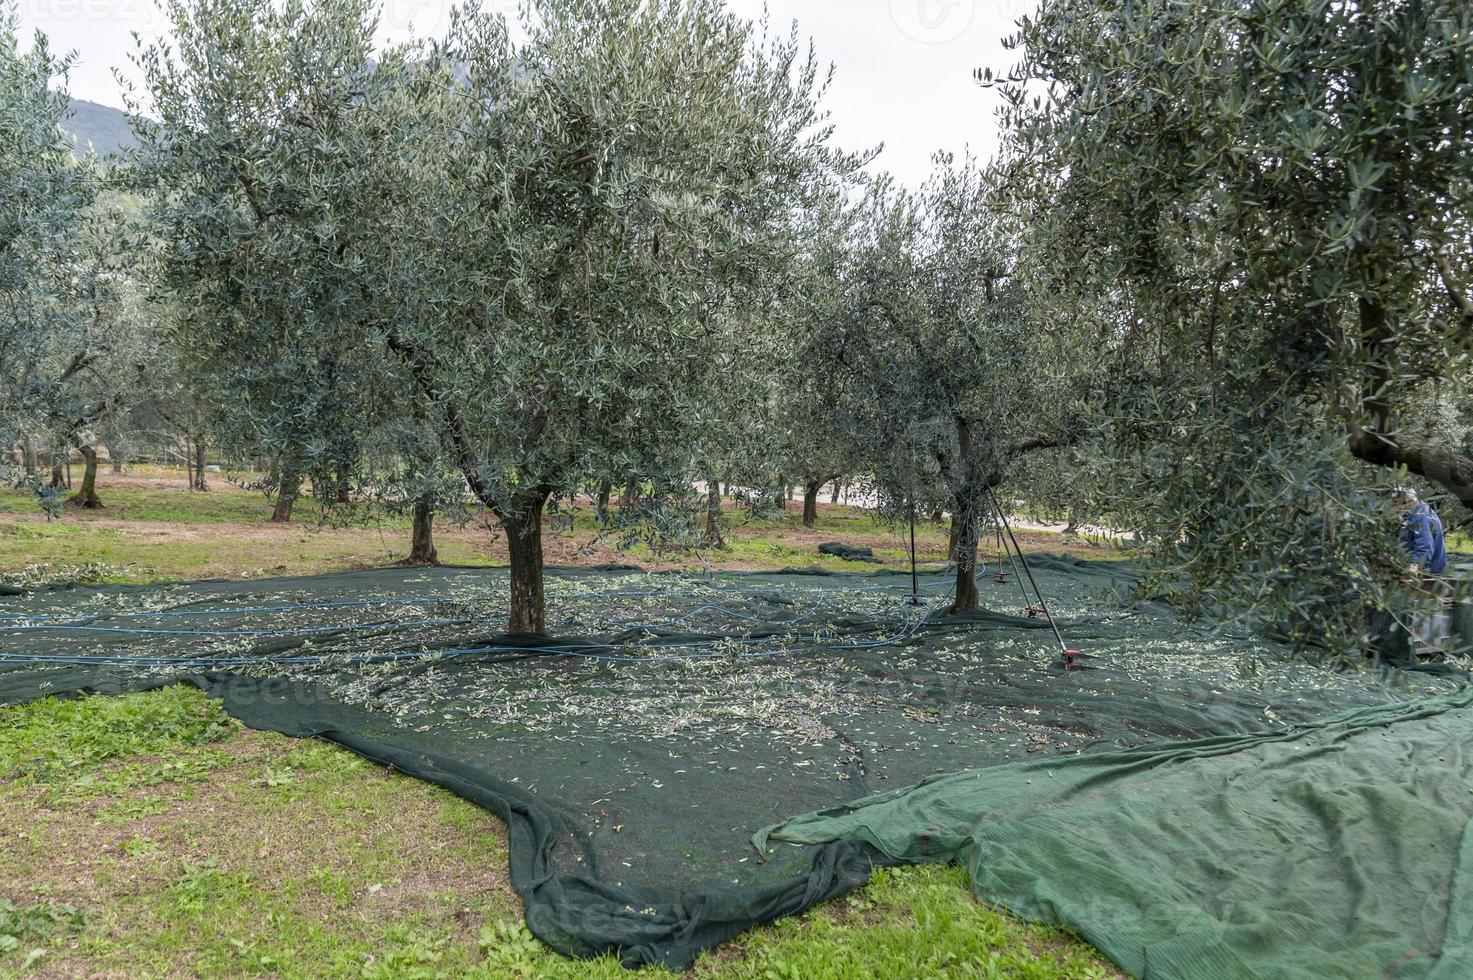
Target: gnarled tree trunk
[288,488]
[967,489]
[810,502]
[713,512]
[422,539]
[523,525]
[601,502]
[965,532]
[200,483]
[87,496]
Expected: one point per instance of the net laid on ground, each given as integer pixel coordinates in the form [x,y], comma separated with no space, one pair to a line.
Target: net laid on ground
[634,756]
[1337,849]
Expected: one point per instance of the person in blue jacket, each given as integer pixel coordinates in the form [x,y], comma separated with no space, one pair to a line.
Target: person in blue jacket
[1421,535]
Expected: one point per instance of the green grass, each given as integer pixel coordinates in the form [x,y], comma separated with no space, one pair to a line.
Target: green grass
[150,533]
[150,834]
[150,554]
[224,504]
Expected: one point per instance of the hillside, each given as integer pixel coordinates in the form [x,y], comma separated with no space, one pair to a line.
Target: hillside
[97,129]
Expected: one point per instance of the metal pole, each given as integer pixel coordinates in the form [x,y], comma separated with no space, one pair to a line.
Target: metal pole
[915,586]
[1042,602]
[1012,560]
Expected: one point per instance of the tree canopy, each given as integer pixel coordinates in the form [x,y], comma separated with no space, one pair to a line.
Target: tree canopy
[1265,207]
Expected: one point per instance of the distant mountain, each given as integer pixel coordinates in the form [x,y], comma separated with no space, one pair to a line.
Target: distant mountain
[98,130]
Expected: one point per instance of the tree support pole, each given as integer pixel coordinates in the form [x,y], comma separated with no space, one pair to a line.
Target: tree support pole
[1071,657]
[915,584]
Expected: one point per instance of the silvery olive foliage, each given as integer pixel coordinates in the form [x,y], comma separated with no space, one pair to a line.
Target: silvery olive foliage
[42,189]
[947,379]
[72,342]
[610,181]
[531,236]
[254,136]
[1265,206]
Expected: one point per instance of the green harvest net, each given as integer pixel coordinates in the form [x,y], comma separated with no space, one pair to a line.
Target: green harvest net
[634,756]
[1336,849]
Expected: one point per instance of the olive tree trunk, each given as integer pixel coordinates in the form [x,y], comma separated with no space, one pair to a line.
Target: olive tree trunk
[964,538]
[200,483]
[87,496]
[523,526]
[287,490]
[422,539]
[810,502]
[601,502]
[967,495]
[713,512]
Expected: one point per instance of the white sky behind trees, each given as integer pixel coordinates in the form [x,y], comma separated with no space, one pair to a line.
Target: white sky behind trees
[904,67]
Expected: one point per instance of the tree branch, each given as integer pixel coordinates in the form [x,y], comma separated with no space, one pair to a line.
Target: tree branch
[248,184]
[1455,293]
[78,363]
[422,370]
[1448,468]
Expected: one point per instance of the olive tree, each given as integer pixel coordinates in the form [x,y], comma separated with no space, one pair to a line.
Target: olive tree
[809,421]
[949,380]
[254,142]
[60,312]
[1267,207]
[568,247]
[87,363]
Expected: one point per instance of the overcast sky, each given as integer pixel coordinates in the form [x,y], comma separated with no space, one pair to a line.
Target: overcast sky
[904,67]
